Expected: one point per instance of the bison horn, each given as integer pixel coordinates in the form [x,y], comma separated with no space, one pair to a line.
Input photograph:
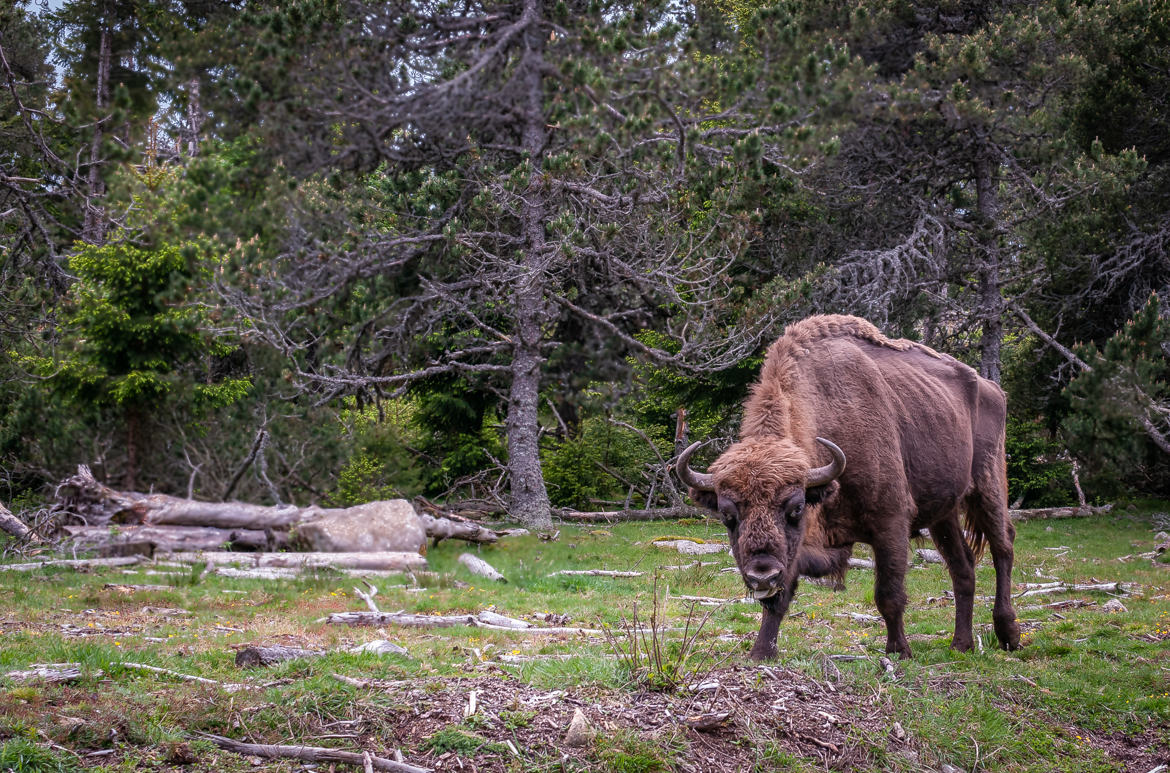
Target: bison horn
[697,480]
[820,476]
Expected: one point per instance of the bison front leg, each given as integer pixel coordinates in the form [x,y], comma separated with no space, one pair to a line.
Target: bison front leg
[889,589]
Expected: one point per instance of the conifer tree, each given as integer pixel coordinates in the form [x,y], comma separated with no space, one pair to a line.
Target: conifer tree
[534,176]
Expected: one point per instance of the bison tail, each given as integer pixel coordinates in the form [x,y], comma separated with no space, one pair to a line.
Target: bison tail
[975,532]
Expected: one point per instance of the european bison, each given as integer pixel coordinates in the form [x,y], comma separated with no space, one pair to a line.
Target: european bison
[924,439]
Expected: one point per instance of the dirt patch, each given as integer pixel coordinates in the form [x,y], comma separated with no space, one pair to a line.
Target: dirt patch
[1136,752]
[745,712]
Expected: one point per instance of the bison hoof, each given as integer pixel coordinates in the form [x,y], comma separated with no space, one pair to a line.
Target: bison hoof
[962,645]
[1008,633]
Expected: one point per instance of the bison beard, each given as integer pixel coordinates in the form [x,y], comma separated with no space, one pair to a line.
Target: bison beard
[924,438]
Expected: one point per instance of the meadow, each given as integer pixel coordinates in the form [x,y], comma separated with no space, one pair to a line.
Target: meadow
[1090,690]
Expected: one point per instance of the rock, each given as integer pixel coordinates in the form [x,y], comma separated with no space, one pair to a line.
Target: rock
[898,732]
[946,767]
[928,556]
[580,732]
[691,548]
[387,525]
[1049,528]
[1161,537]
[1114,605]
[380,647]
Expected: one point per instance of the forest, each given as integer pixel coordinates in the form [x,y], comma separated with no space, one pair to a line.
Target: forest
[514,256]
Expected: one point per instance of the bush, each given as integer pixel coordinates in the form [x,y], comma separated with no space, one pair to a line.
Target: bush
[1038,471]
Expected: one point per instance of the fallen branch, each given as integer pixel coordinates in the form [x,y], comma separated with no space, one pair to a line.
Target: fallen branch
[624,516]
[594,573]
[226,686]
[1050,513]
[478,566]
[1039,589]
[488,620]
[72,563]
[308,754]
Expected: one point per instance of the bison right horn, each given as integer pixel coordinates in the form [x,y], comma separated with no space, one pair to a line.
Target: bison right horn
[819,476]
[701,481]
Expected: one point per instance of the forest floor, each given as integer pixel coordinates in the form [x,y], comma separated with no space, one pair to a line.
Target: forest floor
[1090,690]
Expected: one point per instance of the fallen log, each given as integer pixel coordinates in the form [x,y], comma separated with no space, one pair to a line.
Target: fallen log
[478,566]
[72,563]
[271,655]
[149,539]
[1049,513]
[386,560]
[309,754]
[439,529]
[248,526]
[625,516]
[11,524]
[52,673]
[263,656]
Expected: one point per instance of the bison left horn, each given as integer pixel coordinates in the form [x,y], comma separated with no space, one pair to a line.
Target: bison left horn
[700,481]
[819,476]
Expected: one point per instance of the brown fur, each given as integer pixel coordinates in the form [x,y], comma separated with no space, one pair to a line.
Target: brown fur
[923,435]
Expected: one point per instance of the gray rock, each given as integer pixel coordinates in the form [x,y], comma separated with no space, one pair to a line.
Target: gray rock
[380,647]
[388,525]
[580,732]
[1114,605]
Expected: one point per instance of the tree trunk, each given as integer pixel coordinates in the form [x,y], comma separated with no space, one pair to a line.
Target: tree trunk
[991,303]
[131,478]
[530,505]
[93,229]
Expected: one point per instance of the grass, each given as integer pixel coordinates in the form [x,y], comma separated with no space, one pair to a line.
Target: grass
[1086,684]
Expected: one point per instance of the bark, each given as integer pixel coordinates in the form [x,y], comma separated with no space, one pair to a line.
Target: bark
[991,303]
[402,562]
[309,754]
[11,524]
[530,505]
[623,516]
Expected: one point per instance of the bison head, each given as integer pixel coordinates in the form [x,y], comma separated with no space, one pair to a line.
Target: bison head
[761,487]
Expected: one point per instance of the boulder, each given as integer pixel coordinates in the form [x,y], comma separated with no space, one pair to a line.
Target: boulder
[387,525]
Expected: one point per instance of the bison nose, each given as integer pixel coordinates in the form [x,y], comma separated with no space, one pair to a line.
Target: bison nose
[763,573]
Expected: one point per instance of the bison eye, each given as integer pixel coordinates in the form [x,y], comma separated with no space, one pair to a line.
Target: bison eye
[794,513]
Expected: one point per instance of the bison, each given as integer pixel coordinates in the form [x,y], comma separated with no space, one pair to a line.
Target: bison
[924,438]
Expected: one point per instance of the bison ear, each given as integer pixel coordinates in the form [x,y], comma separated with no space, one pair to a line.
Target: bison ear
[818,494]
[706,499]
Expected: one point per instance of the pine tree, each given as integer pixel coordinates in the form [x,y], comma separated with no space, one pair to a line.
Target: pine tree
[531,178]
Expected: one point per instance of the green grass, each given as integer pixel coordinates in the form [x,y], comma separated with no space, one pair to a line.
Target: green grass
[1079,683]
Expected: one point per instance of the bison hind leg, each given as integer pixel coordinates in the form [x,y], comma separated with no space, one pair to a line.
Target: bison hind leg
[960,561]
